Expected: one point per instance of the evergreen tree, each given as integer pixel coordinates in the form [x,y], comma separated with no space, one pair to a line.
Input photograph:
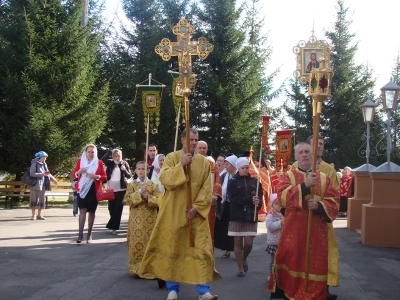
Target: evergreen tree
[129,62]
[351,86]
[341,119]
[232,88]
[298,106]
[52,98]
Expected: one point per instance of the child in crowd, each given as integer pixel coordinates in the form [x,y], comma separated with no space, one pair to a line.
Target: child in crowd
[141,196]
[274,226]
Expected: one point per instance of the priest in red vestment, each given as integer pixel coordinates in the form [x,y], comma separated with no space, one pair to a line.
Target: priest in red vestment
[294,196]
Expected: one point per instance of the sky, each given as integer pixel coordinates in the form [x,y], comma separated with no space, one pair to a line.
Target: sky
[289,21]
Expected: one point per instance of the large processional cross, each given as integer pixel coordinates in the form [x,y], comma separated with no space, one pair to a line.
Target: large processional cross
[184,49]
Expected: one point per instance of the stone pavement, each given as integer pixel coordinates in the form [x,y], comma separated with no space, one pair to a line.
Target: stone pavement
[40,260]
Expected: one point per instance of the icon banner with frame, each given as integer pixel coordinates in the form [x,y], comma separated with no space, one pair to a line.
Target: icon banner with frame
[151,100]
[284,148]
[304,52]
[310,59]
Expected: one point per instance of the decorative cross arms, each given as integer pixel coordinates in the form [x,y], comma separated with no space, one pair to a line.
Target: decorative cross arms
[184,48]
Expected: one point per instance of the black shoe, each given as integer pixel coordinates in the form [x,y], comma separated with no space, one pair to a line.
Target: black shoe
[330,296]
[161,283]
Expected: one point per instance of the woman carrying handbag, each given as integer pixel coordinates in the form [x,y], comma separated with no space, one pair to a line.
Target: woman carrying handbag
[90,174]
[118,174]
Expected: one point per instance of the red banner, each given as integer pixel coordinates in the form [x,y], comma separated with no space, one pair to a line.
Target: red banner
[284,148]
[264,133]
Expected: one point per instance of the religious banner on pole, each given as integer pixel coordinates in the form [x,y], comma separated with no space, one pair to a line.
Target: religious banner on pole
[177,95]
[283,149]
[264,133]
[151,100]
[151,103]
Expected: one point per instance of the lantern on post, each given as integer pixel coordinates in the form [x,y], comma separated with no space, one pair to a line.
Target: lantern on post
[390,94]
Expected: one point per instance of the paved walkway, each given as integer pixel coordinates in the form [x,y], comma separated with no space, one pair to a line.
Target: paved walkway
[40,260]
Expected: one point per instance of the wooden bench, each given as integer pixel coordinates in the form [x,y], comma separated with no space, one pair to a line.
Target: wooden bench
[13,191]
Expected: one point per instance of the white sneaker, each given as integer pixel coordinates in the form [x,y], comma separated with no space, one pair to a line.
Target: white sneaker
[33,218]
[172,295]
[208,296]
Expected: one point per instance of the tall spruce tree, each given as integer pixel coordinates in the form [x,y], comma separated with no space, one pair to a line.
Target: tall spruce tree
[341,120]
[130,60]
[351,85]
[233,87]
[298,106]
[51,96]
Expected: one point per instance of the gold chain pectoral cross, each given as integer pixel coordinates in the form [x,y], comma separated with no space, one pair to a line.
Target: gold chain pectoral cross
[184,48]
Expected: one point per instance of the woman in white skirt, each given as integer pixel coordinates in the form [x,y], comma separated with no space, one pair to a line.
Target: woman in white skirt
[242,193]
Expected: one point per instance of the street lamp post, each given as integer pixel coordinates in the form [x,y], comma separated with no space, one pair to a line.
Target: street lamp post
[385,179]
[368,109]
[390,93]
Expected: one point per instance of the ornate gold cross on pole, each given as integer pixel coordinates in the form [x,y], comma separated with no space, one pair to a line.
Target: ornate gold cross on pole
[184,48]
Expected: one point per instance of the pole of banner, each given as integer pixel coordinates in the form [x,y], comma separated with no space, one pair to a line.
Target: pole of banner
[259,165]
[186,93]
[317,109]
[258,184]
[147,142]
[178,116]
[319,89]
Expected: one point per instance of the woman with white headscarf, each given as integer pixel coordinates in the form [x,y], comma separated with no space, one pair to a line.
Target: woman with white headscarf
[221,238]
[157,165]
[244,206]
[90,174]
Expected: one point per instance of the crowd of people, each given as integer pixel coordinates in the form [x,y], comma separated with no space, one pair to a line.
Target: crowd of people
[172,239]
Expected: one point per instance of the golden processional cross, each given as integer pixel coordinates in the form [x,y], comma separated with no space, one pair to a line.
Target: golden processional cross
[184,48]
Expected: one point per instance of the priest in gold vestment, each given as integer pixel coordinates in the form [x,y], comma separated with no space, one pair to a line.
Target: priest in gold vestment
[168,255]
[141,196]
[294,196]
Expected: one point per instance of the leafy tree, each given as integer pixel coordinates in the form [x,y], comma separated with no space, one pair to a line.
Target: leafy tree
[51,96]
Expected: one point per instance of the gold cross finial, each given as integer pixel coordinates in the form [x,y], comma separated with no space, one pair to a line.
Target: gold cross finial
[184,48]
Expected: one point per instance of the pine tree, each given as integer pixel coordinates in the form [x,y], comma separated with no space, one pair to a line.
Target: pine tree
[298,106]
[52,98]
[232,88]
[130,60]
[351,86]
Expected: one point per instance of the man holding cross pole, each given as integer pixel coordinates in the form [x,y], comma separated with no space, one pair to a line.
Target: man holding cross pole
[169,255]
[294,190]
